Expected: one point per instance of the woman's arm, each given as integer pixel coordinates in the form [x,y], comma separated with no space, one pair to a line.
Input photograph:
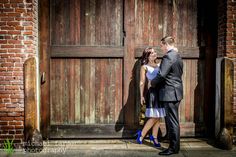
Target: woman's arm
[142,83]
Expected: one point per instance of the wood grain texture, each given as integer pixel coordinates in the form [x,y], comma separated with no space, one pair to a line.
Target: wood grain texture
[85,91]
[93,49]
[44,66]
[30,88]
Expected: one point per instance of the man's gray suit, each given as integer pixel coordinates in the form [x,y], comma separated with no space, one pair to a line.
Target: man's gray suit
[170,90]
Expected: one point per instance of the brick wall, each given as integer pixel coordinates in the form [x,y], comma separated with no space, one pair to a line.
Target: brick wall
[18,41]
[222,6]
[227,38]
[231,45]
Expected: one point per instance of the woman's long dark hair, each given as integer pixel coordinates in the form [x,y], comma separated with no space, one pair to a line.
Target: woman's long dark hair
[146,53]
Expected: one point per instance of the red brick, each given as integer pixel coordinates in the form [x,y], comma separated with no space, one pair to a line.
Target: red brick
[7,10]
[14,32]
[17,96]
[3,123]
[16,83]
[29,28]
[13,60]
[19,28]
[14,114]
[29,19]
[28,33]
[12,132]
[14,14]
[7,127]
[14,50]
[19,127]
[6,136]
[3,114]
[3,32]
[13,23]
[7,64]
[3,51]
[10,106]
[19,136]
[18,64]
[3,1]
[7,46]
[18,118]
[3,41]
[14,42]
[19,10]
[4,95]
[9,118]
[16,123]
[7,5]
[19,46]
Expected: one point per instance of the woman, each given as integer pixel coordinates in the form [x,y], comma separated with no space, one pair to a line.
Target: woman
[149,69]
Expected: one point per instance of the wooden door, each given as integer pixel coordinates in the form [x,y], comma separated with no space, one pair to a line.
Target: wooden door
[85,68]
[89,60]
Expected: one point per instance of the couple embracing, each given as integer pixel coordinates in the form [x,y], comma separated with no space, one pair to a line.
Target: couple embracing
[165,91]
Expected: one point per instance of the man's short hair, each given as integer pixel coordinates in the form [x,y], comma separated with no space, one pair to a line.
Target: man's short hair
[168,40]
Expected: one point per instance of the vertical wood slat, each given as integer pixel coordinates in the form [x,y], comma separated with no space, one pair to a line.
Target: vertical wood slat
[71,96]
[188,96]
[77,91]
[30,88]
[129,26]
[44,66]
[118,93]
[182,105]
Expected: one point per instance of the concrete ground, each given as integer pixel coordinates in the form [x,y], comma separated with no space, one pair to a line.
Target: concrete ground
[190,147]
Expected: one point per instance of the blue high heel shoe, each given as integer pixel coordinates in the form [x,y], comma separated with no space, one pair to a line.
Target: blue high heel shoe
[139,134]
[154,142]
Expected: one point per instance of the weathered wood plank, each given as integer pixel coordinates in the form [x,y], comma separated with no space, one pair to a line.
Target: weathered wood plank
[86,51]
[183,102]
[77,85]
[92,92]
[98,98]
[97,131]
[71,88]
[185,52]
[118,91]
[30,88]
[44,24]
[227,93]
[129,26]
[188,88]
[156,32]
[89,131]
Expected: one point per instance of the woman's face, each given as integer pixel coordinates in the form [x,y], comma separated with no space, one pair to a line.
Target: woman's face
[153,55]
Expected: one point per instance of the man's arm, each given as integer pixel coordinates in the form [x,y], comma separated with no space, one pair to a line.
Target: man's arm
[165,67]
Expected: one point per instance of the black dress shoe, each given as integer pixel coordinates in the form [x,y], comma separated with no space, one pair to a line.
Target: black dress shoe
[168,152]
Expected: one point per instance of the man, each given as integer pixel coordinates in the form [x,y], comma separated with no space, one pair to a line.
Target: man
[170,90]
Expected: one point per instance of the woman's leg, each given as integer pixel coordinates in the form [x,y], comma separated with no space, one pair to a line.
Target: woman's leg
[155,129]
[150,122]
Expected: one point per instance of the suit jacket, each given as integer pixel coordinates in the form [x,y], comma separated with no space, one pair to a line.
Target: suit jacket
[168,81]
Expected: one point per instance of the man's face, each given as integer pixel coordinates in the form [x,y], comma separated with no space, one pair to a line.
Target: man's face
[163,47]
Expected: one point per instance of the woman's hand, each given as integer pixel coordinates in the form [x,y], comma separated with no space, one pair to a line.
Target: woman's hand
[142,100]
